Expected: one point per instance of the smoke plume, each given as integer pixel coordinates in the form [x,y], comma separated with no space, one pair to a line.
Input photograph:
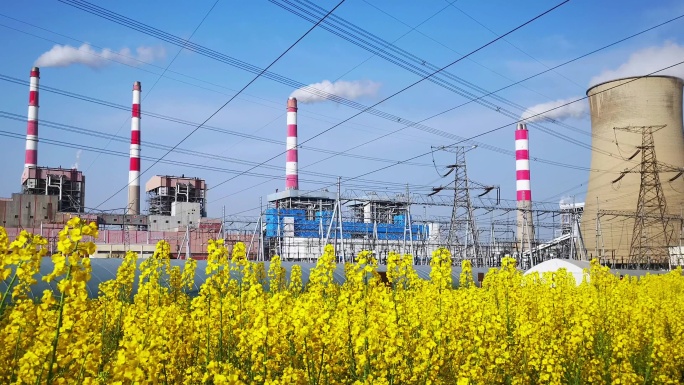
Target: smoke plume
[346,89]
[78,159]
[66,55]
[646,61]
[558,110]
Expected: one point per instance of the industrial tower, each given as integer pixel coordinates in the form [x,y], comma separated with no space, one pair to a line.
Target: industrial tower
[462,235]
[652,234]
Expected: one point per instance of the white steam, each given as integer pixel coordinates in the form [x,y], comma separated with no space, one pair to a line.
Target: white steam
[78,159]
[347,89]
[646,61]
[66,55]
[556,110]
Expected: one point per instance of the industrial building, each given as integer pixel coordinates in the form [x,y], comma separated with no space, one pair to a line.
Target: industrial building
[638,191]
[50,196]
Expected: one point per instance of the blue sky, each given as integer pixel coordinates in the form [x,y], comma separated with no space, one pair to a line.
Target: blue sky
[257,32]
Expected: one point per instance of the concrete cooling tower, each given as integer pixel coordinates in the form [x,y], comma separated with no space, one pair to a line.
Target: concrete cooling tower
[649,101]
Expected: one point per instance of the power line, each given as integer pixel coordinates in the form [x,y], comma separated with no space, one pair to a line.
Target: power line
[412,63]
[518,121]
[389,186]
[484,145]
[420,70]
[168,118]
[511,44]
[449,3]
[148,92]
[413,84]
[154,32]
[370,57]
[93,133]
[277,104]
[366,40]
[232,98]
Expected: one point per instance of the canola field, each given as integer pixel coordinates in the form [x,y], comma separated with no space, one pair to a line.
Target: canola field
[266,327]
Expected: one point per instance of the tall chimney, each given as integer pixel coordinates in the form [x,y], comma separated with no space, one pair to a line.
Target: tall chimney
[524,192]
[134,170]
[291,175]
[31,158]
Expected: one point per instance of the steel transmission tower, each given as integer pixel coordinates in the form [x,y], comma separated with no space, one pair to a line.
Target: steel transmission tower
[462,237]
[652,234]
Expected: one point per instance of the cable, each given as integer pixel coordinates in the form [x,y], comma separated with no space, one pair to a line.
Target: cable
[277,104]
[148,92]
[366,40]
[413,84]
[391,186]
[232,98]
[370,42]
[151,31]
[188,123]
[370,57]
[144,28]
[510,85]
[486,146]
[511,44]
[93,133]
[509,124]
[446,46]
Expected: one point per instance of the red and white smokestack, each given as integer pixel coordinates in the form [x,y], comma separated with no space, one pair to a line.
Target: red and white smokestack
[31,159]
[291,175]
[134,170]
[523,186]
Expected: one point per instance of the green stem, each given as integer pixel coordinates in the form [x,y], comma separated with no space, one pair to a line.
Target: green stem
[14,363]
[6,293]
[55,340]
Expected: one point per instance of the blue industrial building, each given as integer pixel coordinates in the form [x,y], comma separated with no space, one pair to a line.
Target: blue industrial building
[278,224]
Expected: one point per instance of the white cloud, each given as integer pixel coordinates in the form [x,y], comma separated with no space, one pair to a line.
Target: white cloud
[66,55]
[646,61]
[557,110]
[346,89]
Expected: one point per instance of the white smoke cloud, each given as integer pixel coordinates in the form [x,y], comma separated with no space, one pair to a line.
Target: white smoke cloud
[558,110]
[346,89]
[78,159]
[646,61]
[66,55]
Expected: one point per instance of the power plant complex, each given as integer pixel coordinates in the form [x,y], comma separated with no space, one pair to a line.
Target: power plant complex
[632,216]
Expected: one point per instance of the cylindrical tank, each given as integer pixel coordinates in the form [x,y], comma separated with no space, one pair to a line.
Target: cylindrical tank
[648,101]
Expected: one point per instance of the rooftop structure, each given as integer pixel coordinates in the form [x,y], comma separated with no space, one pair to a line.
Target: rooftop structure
[68,185]
[163,191]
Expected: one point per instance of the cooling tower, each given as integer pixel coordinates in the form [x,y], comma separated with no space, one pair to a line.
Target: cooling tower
[648,101]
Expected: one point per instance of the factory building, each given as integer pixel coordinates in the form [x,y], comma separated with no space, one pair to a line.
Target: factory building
[298,226]
[50,196]
[638,160]
[164,192]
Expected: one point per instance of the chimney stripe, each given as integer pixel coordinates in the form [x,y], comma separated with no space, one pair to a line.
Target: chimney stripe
[31,156]
[291,161]
[134,153]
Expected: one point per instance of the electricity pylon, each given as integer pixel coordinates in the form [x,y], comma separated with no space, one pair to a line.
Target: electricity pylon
[463,234]
[652,234]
